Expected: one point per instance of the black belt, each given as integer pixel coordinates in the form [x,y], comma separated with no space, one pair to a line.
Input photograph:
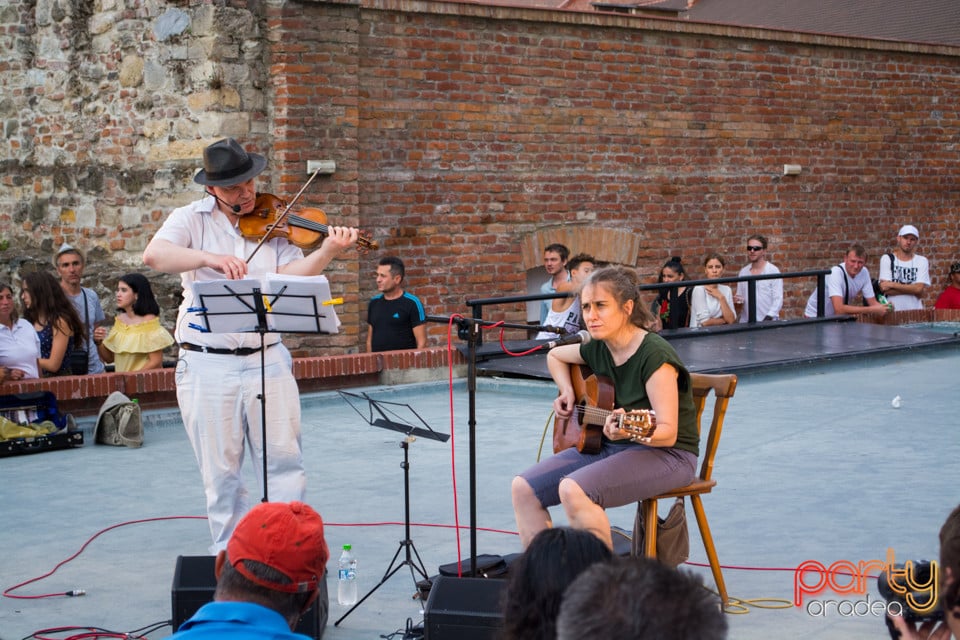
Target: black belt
[242,351]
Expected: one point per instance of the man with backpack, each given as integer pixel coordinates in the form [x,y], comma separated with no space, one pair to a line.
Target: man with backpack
[904,275]
[843,284]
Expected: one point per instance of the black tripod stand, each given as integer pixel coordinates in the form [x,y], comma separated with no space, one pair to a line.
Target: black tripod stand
[411,557]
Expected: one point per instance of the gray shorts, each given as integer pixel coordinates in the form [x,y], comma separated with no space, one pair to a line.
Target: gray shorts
[618,475]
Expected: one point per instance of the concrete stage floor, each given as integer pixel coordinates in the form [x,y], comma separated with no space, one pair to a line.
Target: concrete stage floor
[815,464]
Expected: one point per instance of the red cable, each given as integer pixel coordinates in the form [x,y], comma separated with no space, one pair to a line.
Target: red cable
[417,524]
[539,347]
[457,526]
[7,593]
[90,632]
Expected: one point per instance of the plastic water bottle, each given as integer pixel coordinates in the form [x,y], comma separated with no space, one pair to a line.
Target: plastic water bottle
[347,577]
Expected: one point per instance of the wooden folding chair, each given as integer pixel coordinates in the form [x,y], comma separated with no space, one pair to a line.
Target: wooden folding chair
[723,387]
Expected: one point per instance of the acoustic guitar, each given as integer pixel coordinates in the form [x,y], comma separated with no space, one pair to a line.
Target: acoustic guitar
[584,428]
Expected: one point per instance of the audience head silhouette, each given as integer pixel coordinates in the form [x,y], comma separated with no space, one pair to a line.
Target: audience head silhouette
[639,599]
[539,577]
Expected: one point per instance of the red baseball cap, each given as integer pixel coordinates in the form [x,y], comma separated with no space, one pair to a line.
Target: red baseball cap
[287,537]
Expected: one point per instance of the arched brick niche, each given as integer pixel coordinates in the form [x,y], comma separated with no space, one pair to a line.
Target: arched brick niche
[609,245]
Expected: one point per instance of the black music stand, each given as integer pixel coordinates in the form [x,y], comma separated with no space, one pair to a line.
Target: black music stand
[389,419]
[287,304]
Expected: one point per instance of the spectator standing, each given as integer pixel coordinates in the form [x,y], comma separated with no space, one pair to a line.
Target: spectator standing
[555,262]
[395,318]
[55,320]
[137,339]
[769,292]
[844,283]
[267,578]
[70,264]
[538,578]
[19,342]
[712,304]
[639,599]
[904,282]
[949,298]
[565,312]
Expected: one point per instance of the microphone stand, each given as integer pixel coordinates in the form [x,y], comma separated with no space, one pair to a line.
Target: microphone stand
[469,329]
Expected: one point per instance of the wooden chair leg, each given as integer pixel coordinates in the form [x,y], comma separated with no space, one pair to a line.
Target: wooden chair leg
[709,547]
[650,528]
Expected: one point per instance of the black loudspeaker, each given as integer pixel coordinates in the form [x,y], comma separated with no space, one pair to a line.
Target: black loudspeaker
[194,581]
[463,609]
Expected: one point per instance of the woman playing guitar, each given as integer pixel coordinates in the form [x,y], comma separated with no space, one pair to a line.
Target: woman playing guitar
[647,374]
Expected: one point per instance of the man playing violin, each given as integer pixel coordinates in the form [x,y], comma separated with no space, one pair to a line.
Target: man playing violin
[646,374]
[219,374]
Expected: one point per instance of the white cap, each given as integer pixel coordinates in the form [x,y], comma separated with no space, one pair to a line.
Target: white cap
[908,230]
[65,248]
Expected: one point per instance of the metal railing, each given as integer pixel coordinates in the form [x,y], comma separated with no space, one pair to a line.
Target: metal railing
[477,305]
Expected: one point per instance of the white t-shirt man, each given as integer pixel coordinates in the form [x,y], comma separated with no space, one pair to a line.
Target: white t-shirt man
[916,269]
[839,283]
[769,294]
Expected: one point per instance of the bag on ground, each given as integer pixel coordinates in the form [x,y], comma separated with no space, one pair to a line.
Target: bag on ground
[119,422]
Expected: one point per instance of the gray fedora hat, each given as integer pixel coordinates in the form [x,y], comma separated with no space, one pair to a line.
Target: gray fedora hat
[226,163]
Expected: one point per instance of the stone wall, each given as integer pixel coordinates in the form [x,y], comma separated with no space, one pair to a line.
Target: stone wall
[463,134]
[106,106]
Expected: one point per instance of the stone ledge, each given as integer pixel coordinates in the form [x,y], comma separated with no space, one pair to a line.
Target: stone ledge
[83,395]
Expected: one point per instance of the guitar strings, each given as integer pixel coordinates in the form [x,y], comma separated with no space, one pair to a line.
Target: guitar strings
[648,421]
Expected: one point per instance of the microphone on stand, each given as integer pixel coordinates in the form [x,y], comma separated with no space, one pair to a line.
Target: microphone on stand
[580,337]
[560,331]
[234,207]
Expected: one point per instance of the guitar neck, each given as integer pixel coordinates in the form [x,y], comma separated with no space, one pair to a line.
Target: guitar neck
[595,415]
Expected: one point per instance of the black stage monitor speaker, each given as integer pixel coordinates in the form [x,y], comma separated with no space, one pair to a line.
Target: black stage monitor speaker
[463,609]
[194,582]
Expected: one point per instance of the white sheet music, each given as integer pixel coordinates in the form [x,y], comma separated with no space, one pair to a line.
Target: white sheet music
[299,305]
[228,305]
[293,304]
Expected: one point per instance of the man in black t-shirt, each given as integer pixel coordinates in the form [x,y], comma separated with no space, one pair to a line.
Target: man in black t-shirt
[395,318]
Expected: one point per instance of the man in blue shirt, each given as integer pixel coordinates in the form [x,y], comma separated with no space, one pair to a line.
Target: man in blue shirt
[395,318]
[268,576]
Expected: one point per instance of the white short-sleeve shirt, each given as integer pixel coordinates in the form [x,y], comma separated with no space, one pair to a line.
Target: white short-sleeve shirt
[199,225]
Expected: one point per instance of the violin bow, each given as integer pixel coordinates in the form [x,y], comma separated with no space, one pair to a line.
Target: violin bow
[282,215]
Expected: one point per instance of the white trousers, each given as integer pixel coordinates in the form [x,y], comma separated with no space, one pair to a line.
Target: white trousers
[218,398]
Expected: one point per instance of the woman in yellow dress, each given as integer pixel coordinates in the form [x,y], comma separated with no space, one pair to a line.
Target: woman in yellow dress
[137,340]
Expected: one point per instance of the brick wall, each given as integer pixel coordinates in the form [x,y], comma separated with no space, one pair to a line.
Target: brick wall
[476,126]
[461,130]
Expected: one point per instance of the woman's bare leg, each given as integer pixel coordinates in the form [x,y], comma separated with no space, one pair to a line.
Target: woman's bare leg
[531,517]
[584,513]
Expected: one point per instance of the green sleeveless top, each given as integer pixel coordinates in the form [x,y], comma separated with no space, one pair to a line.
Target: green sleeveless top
[630,378]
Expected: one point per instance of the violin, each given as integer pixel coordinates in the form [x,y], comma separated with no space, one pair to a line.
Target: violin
[306,229]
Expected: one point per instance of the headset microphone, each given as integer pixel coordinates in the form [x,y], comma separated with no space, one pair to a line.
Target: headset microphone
[234,207]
